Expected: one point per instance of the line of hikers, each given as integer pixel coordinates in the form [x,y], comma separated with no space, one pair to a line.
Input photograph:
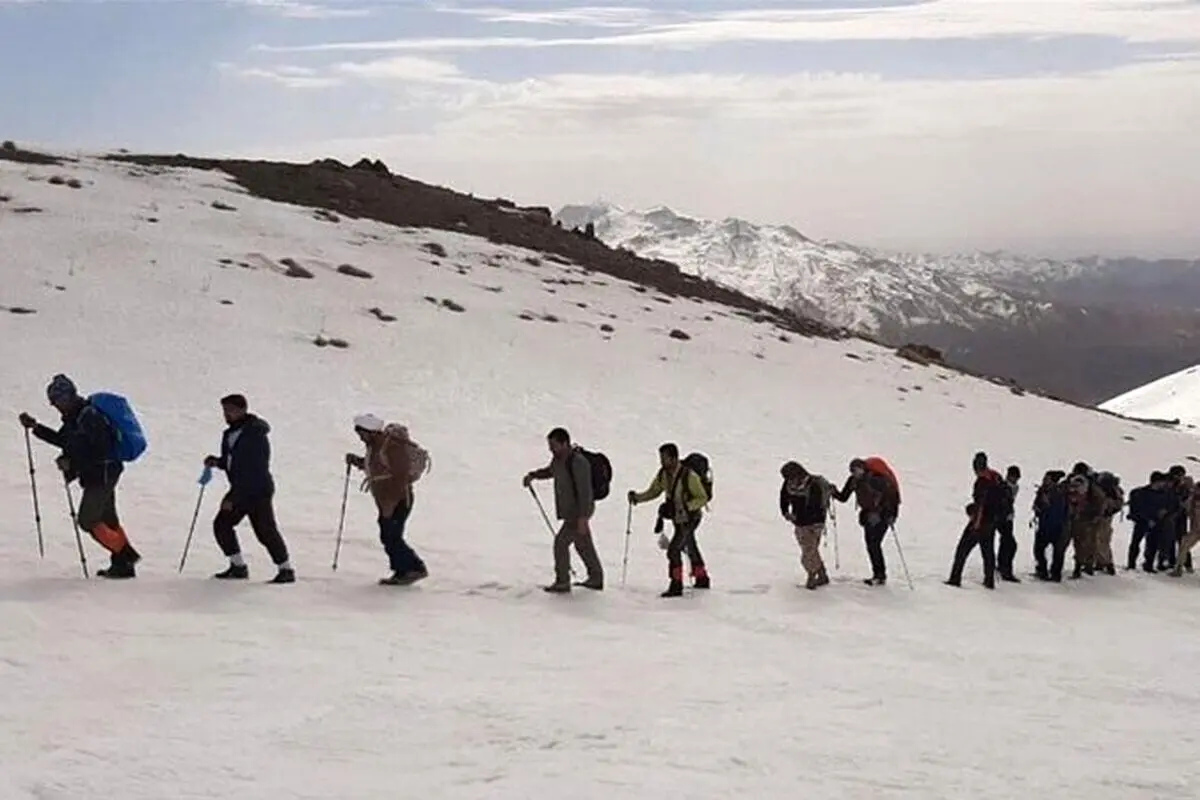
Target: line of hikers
[100,433]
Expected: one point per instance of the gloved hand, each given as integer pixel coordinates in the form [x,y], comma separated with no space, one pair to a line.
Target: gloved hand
[27,421]
[664,541]
[211,461]
[631,497]
[526,481]
[63,463]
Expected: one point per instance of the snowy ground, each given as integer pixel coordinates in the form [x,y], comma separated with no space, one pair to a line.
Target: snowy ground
[475,684]
[1174,396]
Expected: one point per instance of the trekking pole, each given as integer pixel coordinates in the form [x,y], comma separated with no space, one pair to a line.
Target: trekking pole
[837,556]
[903,563]
[628,533]
[205,477]
[337,549]
[545,516]
[75,523]
[37,511]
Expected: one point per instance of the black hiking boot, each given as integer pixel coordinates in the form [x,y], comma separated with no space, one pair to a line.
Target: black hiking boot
[703,582]
[590,583]
[675,589]
[1149,569]
[1010,579]
[284,576]
[989,583]
[236,572]
[1110,569]
[557,588]
[955,582]
[876,581]
[120,565]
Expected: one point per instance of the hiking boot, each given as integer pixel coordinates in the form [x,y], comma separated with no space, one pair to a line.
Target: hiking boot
[955,582]
[1010,579]
[594,584]
[823,578]
[675,589]
[236,572]
[1110,569]
[557,588]
[812,583]
[989,583]
[876,581]
[703,582]
[1077,574]
[117,570]
[1042,573]
[284,576]
[1149,569]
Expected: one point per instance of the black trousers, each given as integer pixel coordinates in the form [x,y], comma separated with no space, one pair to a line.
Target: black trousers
[873,534]
[1008,548]
[262,522]
[985,538]
[1142,533]
[684,541]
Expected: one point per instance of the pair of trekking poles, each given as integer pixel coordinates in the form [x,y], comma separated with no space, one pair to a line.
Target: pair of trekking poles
[37,509]
[837,559]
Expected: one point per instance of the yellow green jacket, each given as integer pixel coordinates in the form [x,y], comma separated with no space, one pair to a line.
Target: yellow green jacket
[696,497]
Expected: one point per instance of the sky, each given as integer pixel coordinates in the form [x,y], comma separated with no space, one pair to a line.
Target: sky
[1055,127]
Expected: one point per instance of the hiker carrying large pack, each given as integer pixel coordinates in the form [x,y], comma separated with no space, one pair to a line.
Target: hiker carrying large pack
[987,508]
[804,501]
[574,504]
[393,463]
[873,484]
[99,434]
[687,492]
[246,461]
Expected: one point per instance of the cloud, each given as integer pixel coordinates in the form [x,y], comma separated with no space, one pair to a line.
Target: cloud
[296,9]
[1102,161]
[1131,20]
[584,16]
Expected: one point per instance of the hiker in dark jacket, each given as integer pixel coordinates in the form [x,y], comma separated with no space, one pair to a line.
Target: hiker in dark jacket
[573,506]
[877,512]
[87,440]
[803,501]
[246,460]
[1050,517]
[985,511]
[1148,506]
[1004,526]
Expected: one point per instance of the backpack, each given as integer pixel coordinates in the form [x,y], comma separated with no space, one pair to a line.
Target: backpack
[601,471]
[419,460]
[129,438]
[878,466]
[698,463]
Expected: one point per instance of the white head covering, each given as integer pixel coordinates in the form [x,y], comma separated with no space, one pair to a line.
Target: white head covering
[369,422]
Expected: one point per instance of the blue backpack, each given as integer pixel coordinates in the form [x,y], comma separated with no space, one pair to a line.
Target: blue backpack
[130,438]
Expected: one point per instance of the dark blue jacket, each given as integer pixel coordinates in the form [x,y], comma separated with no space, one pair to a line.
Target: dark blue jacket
[246,460]
[87,439]
[807,504]
[1148,506]
[1051,509]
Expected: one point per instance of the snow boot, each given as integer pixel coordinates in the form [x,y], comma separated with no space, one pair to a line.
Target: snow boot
[702,582]
[594,585]
[121,565]
[557,588]
[236,572]
[284,576]
[675,589]
[876,581]
[1010,579]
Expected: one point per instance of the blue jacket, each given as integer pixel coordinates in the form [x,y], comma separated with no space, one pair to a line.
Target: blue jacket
[246,460]
[1050,508]
[1148,506]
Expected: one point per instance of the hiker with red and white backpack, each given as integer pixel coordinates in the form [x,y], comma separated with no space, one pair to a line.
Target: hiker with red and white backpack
[393,463]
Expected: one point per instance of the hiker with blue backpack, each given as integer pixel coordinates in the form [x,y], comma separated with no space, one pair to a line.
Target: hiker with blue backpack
[98,435]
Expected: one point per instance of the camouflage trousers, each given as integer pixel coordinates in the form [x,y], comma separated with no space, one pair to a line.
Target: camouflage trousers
[1103,543]
[1081,534]
[809,539]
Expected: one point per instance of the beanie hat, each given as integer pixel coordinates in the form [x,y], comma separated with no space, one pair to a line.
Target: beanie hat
[369,422]
[61,388]
[235,401]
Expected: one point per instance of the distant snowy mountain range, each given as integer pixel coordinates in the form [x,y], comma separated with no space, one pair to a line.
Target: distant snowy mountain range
[998,312]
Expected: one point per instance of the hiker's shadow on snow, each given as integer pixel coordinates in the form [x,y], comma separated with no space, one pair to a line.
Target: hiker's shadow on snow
[34,590]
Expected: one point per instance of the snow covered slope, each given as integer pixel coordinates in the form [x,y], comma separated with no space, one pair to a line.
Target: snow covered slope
[474,684]
[1171,397]
[855,287]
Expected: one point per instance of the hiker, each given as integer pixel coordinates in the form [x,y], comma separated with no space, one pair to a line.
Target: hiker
[1050,515]
[574,505]
[393,462]
[1085,503]
[1111,502]
[1190,513]
[686,495]
[984,514]
[88,441]
[1180,489]
[246,461]
[1004,525]
[877,495]
[1148,506]
[804,502]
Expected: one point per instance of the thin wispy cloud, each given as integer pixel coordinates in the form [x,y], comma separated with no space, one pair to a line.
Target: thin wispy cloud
[1059,127]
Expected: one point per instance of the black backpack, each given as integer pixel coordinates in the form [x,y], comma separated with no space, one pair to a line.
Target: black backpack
[698,463]
[601,472]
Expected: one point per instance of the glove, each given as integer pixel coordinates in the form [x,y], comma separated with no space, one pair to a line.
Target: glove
[27,421]
[206,476]
[63,463]
[664,541]
[632,497]
[210,462]
[526,481]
